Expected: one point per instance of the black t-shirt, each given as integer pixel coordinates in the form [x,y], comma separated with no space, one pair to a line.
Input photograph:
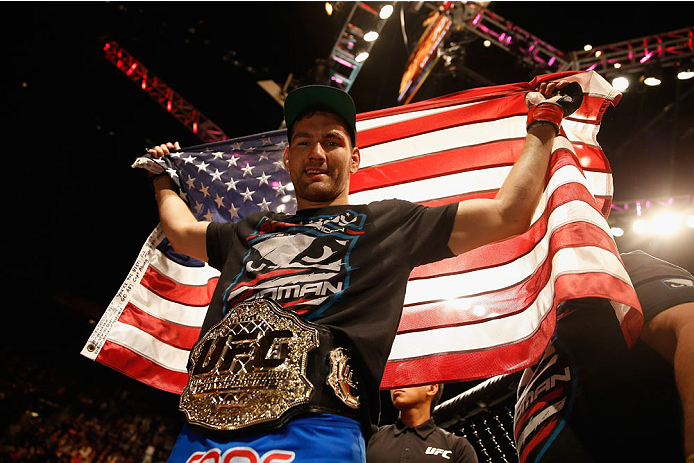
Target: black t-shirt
[424,443]
[591,398]
[345,267]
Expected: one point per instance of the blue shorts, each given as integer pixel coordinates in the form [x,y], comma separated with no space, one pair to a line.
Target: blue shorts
[314,438]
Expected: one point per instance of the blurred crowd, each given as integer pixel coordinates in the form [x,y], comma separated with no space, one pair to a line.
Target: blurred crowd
[55,412]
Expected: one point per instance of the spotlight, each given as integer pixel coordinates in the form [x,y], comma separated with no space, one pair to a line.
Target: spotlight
[371,36]
[689,221]
[487,43]
[616,231]
[361,57]
[620,83]
[652,77]
[386,11]
[587,47]
[329,8]
[685,74]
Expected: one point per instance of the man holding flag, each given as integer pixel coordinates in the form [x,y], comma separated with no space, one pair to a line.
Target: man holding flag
[297,335]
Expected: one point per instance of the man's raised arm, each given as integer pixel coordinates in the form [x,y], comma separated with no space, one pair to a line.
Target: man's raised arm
[483,221]
[186,234]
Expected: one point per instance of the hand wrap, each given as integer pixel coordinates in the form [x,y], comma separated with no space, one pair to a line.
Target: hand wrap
[552,112]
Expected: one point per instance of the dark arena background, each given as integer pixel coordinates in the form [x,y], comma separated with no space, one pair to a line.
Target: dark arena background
[73,121]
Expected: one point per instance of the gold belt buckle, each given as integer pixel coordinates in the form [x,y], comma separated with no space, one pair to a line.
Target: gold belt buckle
[250,368]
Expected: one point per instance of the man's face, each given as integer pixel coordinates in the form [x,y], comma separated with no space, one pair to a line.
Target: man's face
[408,397]
[320,159]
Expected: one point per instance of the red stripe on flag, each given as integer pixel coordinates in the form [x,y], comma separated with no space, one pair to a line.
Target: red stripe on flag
[140,368]
[513,357]
[510,249]
[182,337]
[161,285]
[478,113]
[591,158]
[500,153]
[591,108]
[478,364]
[508,301]
[462,97]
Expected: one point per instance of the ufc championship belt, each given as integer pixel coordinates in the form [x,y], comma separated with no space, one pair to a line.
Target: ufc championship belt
[262,365]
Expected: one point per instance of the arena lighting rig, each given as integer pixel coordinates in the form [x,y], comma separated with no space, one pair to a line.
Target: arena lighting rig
[365,21]
[634,59]
[174,103]
[362,27]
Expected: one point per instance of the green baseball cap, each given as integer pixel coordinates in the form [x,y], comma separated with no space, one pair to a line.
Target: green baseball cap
[320,95]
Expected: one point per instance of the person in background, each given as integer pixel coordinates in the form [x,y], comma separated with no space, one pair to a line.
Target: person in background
[415,437]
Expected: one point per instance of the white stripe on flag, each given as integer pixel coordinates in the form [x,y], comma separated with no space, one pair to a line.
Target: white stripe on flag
[580,132]
[507,330]
[502,276]
[599,183]
[439,187]
[443,140]
[383,121]
[181,274]
[167,310]
[462,183]
[149,347]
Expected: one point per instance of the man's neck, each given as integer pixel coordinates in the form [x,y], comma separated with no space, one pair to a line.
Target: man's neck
[304,204]
[415,416]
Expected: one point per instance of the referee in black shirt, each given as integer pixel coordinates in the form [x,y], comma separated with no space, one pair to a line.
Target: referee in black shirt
[415,437]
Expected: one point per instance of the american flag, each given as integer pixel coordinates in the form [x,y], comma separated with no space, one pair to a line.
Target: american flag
[487,312]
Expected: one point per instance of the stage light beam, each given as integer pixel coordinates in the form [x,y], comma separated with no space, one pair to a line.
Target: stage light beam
[667,223]
[642,226]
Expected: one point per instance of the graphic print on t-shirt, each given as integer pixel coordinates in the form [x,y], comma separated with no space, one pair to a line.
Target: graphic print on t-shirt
[303,266]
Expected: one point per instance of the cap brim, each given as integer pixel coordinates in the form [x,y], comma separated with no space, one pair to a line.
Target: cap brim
[319,95]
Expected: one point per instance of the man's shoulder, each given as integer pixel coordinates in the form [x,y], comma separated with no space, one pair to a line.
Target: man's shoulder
[447,434]
[450,437]
[643,268]
[390,205]
[462,449]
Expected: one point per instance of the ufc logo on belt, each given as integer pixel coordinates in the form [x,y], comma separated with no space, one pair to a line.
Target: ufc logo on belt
[244,351]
